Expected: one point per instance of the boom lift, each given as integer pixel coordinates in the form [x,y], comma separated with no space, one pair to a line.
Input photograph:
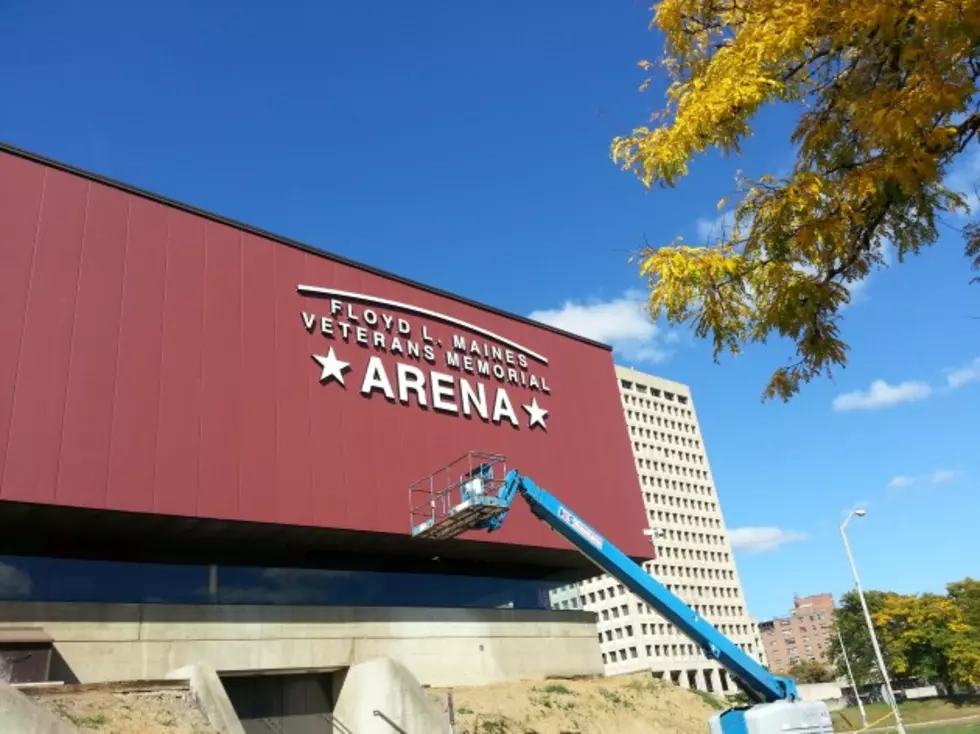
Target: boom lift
[476,492]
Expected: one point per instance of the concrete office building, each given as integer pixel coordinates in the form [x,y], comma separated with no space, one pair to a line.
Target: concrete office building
[804,635]
[693,553]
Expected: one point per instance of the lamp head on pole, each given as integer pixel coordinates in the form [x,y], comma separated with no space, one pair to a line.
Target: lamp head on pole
[852,513]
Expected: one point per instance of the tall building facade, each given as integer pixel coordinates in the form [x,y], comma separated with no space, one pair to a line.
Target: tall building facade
[693,552]
[192,412]
[804,635]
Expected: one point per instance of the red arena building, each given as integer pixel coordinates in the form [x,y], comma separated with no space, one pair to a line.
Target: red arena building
[208,432]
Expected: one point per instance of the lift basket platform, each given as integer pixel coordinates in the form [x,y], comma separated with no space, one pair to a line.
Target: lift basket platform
[460,496]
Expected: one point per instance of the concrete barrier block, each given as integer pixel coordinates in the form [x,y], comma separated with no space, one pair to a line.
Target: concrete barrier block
[20,714]
[208,691]
[381,696]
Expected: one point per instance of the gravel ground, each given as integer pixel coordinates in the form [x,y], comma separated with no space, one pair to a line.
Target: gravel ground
[633,704]
[116,710]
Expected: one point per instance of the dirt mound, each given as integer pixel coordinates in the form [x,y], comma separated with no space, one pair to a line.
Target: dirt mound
[125,709]
[633,704]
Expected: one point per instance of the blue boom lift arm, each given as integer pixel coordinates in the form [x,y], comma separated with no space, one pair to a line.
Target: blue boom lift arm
[777,708]
[757,682]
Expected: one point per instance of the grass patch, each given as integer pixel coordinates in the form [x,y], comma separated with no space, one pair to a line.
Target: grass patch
[88,722]
[710,700]
[615,699]
[913,712]
[558,688]
[610,696]
[643,686]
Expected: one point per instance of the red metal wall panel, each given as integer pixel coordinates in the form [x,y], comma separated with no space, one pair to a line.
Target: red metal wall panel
[136,400]
[21,193]
[83,468]
[36,418]
[221,381]
[155,360]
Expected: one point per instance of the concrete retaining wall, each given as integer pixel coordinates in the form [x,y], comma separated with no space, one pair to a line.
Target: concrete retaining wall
[829,693]
[210,696]
[381,696]
[442,647]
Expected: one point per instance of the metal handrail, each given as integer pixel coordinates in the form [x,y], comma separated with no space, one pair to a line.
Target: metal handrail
[443,488]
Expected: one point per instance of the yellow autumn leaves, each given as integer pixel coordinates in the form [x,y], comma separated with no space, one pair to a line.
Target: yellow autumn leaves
[928,636]
[885,92]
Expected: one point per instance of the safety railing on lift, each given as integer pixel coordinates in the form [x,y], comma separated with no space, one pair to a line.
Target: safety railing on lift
[458,496]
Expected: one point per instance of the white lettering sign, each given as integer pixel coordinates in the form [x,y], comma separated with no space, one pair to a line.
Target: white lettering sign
[468,371]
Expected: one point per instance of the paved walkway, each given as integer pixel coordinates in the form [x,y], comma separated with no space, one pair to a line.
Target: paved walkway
[925,724]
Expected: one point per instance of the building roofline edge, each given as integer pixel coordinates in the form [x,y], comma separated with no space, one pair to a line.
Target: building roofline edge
[282,240]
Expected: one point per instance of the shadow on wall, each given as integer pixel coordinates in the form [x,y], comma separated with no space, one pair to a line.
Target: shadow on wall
[61,670]
[378,696]
[29,655]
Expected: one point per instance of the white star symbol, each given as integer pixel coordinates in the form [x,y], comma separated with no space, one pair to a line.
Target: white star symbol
[332,367]
[536,412]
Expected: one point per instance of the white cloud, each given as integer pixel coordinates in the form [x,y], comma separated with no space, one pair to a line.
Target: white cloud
[882,395]
[942,476]
[965,179]
[622,323]
[964,375]
[858,290]
[887,252]
[711,230]
[937,477]
[760,540]
[14,582]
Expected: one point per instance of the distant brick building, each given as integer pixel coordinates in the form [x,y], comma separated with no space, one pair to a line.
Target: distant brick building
[803,635]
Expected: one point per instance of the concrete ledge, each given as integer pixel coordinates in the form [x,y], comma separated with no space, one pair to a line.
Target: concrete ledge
[20,715]
[210,696]
[382,696]
[442,647]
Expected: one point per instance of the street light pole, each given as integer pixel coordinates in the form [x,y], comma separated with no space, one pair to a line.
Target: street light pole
[871,628]
[850,675]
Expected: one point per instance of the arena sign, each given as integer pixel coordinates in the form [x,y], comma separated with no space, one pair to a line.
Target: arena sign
[465,370]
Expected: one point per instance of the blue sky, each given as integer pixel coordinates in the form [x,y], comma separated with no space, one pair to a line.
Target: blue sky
[468,148]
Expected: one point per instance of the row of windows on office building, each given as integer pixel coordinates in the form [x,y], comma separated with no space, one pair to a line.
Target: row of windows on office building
[646,416]
[613,590]
[690,572]
[693,488]
[688,553]
[662,400]
[665,452]
[681,471]
[637,417]
[680,650]
[669,500]
[709,611]
[659,517]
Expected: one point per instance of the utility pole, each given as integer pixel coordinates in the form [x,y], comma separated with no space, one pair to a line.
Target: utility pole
[850,675]
[871,628]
